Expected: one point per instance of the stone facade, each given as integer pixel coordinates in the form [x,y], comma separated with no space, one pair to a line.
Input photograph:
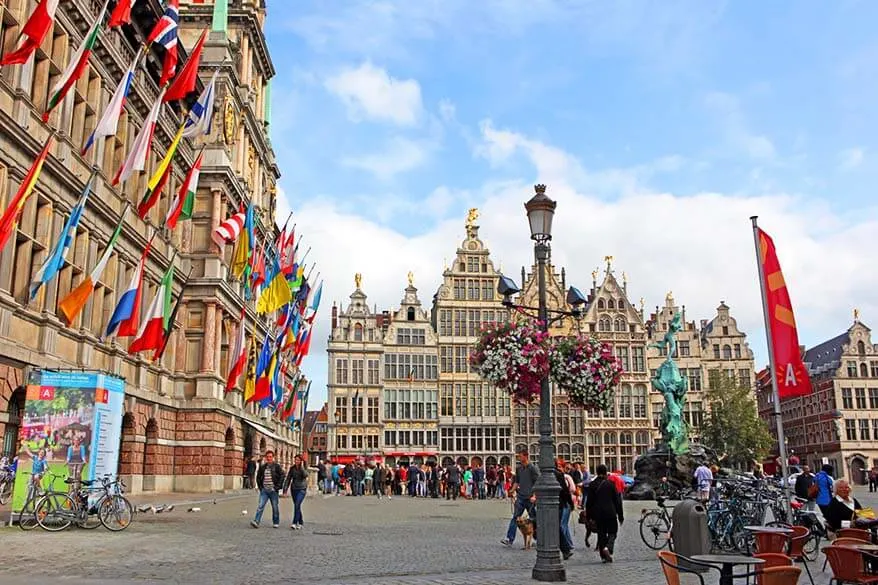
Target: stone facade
[181,430]
[836,424]
[477,422]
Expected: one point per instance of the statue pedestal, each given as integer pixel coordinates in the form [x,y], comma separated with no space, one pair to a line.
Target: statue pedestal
[652,466]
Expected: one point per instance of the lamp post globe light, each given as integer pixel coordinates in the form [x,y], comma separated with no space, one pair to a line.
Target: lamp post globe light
[548,566]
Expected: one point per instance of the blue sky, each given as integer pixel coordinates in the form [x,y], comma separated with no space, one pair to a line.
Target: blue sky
[660,127]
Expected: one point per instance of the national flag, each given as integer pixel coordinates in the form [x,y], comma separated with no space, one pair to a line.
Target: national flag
[136,159]
[287,251]
[109,122]
[184,202]
[9,220]
[199,120]
[239,353]
[789,369]
[228,231]
[34,31]
[75,301]
[303,349]
[75,66]
[121,13]
[315,302]
[411,375]
[244,246]
[155,322]
[257,267]
[126,315]
[250,378]
[184,84]
[65,239]
[289,404]
[159,178]
[169,328]
[263,373]
[276,294]
[165,33]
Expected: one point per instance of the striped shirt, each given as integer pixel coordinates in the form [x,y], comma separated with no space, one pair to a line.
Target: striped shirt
[267,479]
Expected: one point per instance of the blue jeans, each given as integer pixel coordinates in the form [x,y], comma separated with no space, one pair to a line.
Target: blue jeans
[298,498]
[264,497]
[327,486]
[565,529]
[522,503]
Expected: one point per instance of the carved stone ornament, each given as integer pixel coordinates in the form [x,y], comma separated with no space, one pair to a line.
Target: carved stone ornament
[230,121]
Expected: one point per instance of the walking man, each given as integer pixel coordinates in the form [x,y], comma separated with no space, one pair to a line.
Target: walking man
[523,487]
[604,507]
[269,480]
[704,478]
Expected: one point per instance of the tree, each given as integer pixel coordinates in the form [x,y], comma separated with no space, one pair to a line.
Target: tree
[732,425]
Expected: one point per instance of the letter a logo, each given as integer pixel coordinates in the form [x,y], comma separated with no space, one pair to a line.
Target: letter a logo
[790,379]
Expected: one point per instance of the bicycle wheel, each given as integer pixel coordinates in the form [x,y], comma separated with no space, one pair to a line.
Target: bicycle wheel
[88,517]
[115,513]
[655,530]
[5,492]
[55,511]
[27,518]
[812,545]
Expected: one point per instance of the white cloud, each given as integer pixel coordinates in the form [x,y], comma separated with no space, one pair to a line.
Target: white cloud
[699,246]
[735,128]
[370,92]
[851,158]
[398,156]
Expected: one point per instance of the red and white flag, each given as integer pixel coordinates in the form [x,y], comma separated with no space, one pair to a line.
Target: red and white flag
[121,13]
[34,31]
[227,232]
[136,160]
[239,354]
[151,334]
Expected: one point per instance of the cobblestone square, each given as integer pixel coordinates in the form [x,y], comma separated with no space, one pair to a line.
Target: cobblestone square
[346,540]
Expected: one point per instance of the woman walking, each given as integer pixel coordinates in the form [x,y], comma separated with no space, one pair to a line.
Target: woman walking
[604,507]
[297,483]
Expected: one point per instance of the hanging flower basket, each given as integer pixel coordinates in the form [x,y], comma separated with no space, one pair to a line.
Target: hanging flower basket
[514,357]
[586,370]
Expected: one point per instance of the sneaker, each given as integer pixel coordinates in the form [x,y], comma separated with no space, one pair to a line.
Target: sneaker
[292,526]
[605,555]
[275,525]
[567,554]
[506,542]
[254,524]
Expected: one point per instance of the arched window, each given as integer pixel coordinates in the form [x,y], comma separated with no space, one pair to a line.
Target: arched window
[642,438]
[621,304]
[864,370]
[609,438]
[861,347]
[410,314]
[620,326]
[611,304]
[578,452]
[564,451]
[594,438]
[358,332]
[727,352]
[601,304]
[604,325]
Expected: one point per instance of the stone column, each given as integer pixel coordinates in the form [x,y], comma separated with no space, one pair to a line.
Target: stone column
[209,340]
[218,343]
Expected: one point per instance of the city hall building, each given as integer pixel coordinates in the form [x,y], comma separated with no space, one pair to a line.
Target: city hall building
[181,430]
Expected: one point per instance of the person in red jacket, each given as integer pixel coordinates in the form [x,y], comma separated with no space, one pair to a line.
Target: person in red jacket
[616,478]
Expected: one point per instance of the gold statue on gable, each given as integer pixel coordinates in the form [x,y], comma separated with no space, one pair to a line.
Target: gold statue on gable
[471,217]
[358,279]
[411,277]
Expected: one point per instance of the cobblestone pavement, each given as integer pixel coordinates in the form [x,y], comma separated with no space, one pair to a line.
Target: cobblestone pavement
[346,541]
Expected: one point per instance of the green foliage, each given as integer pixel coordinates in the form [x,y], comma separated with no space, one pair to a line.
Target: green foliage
[732,426]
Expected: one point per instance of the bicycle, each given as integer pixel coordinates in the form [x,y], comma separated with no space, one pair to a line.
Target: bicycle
[655,525]
[810,520]
[7,482]
[27,517]
[56,511]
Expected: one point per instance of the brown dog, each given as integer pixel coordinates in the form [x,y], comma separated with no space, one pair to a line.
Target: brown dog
[526,527]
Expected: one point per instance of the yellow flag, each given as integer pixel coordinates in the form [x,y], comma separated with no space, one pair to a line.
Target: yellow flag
[275,296]
[250,379]
[242,255]
[163,166]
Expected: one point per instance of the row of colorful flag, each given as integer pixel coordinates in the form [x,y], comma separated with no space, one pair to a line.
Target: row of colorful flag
[270,272]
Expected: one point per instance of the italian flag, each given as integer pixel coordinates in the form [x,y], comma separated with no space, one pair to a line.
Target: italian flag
[184,202]
[75,67]
[152,329]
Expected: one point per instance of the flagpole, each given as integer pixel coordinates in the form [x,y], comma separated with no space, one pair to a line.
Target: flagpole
[772,368]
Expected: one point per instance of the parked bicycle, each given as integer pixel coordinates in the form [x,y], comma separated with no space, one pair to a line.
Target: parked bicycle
[27,518]
[7,482]
[656,524]
[57,510]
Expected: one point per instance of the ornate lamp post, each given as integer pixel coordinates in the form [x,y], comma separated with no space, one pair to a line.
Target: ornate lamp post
[540,212]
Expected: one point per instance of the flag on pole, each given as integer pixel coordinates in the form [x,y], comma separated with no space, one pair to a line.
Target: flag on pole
[109,122]
[199,120]
[76,66]
[169,328]
[184,202]
[59,255]
[239,353]
[165,33]
[9,220]
[34,31]
[786,360]
[159,177]
[126,315]
[136,159]
[121,13]
[250,378]
[263,381]
[152,329]
[75,301]
[276,294]
[184,84]
[227,232]
[244,246]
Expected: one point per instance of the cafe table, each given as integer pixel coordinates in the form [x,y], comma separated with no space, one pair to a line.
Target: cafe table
[727,564]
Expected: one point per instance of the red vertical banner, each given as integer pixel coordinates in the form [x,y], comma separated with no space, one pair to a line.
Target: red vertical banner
[789,369]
